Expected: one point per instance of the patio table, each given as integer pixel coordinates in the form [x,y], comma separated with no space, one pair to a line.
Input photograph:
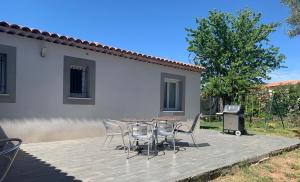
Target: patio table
[172,119]
[136,120]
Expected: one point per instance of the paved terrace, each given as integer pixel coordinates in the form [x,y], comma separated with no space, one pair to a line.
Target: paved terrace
[85,160]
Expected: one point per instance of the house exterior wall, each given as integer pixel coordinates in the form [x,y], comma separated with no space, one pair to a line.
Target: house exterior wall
[124,89]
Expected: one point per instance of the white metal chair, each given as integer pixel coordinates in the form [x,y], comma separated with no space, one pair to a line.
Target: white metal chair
[140,132]
[166,130]
[114,128]
[8,151]
[189,131]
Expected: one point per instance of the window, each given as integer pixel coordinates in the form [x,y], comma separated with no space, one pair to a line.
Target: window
[172,93]
[8,56]
[3,73]
[79,81]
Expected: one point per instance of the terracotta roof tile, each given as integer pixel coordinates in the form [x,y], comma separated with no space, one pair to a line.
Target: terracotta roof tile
[15,26]
[94,46]
[4,24]
[26,29]
[45,33]
[36,31]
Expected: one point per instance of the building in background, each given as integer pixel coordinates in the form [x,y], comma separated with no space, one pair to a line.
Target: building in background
[272,85]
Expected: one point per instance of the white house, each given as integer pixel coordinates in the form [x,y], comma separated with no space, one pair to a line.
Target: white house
[55,87]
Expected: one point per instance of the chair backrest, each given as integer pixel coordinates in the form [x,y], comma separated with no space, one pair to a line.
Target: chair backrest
[165,127]
[107,124]
[8,152]
[139,129]
[197,118]
[111,126]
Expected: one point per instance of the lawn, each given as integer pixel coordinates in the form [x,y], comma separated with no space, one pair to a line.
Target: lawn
[259,127]
[285,167]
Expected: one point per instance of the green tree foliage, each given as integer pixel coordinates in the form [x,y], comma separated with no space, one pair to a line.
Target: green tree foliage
[284,101]
[289,101]
[235,52]
[294,18]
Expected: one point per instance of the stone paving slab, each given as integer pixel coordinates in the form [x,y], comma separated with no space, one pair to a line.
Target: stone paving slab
[86,159]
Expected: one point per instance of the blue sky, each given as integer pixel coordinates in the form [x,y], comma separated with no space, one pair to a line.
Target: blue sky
[155,27]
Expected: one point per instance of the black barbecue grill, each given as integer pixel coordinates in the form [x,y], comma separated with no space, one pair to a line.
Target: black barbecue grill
[233,119]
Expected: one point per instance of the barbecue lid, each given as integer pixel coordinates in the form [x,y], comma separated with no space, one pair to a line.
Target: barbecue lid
[233,109]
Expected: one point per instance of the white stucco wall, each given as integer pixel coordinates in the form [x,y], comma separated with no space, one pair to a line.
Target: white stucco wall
[124,88]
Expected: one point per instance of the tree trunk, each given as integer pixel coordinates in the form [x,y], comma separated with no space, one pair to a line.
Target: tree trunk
[221,104]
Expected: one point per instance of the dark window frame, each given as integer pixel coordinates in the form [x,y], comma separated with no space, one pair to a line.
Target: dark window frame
[9,93]
[3,73]
[79,82]
[68,97]
[181,94]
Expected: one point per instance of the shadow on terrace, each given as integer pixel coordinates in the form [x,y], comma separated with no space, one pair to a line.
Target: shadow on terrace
[26,167]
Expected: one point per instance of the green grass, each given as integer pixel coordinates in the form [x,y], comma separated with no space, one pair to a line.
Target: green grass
[269,167]
[283,167]
[259,127]
[294,166]
[290,175]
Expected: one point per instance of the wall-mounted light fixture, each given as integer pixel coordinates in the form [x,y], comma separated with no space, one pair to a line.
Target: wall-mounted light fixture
[43,51]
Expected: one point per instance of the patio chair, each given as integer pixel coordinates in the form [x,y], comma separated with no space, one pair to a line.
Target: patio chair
[189,131]
[166,130]
[8,151]
[140,132]
[114,128]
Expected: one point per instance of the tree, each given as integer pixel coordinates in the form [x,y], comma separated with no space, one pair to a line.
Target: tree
[288,97]
[235,52]
[294,19]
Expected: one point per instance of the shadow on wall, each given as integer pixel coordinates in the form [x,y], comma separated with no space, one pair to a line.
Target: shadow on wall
[50,129]
[32,130]
[29,168]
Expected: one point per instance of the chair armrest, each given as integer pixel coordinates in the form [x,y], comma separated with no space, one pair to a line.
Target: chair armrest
[180,125]
[115,123]
[13,148]
[111,122]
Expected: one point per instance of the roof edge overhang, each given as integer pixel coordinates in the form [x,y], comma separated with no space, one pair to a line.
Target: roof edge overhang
[23,31]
